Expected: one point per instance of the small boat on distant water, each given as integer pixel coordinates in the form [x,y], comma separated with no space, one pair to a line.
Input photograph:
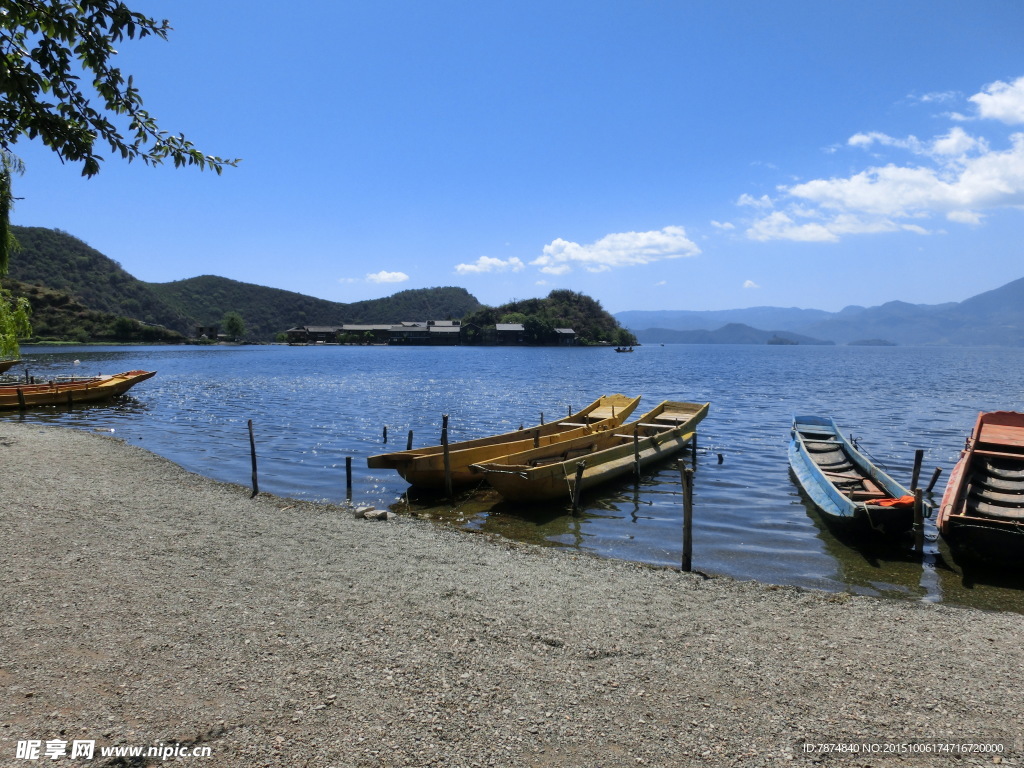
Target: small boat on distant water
[623,349]
[6,365]
[69,391]
[843,483]
[982,509]
[424,467]
[549,472]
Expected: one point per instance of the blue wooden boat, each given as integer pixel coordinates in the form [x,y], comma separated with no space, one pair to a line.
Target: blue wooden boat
[848,489]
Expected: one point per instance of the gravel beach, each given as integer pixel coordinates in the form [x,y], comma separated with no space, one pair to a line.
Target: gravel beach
[143,605]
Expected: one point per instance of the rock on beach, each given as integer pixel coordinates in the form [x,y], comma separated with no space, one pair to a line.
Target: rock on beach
[147,606]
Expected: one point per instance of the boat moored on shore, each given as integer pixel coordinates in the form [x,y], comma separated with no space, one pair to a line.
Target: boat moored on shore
[982,509]
[69,391]
[549,472]
[425,467]
[844,485]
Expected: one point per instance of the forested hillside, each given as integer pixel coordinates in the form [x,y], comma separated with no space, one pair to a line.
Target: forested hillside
[58,261]
[269,311]
[79,294]
[561,309]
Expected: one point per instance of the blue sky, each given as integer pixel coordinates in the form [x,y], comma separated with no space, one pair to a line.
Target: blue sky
[654,155]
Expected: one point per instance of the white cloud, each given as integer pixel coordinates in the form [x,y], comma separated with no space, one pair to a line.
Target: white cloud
[957,143]
[722,225]
[750,284]
[624,249]
[965,217]
[1002,101]
[490,264]
[939,97]
[954,175]
[662,282]
[763,202]
[387,277]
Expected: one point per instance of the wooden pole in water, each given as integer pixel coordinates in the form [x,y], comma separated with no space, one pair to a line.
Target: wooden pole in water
[693,445]
[447,456]
[542,418]
[252,449]
[21,399]
[918,521]
[385,434]
[918,459]
[348,478]
[408,441]
[687,476]
[934,480]
[636,453]
[577,489]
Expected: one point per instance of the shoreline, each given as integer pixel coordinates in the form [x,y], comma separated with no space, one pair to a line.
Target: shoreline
[149,605]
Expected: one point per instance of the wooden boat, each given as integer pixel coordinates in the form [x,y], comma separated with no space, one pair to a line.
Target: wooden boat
[549,472]
[70,391]
[982,509]
[843,483]
[424,467]
[6,365]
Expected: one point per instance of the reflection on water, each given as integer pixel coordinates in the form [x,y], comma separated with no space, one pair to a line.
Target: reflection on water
[314,406]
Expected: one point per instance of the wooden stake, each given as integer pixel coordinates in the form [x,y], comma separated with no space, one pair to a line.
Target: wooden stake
[408,442]
[447,456]
[252,448]
[934,480]
[577,488]
[385,434]
[918,459]
[21,399]
[918,521]
[348,478]
[687,476]
[636,453]
[693,445]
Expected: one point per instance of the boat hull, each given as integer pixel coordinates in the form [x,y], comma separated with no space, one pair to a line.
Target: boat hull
[87,390]
[545,474]
[425,467]
[982,509]
[842,483]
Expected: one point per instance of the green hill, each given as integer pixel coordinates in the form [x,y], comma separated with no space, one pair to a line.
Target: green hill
[91,282]
[561,309]
[55,260]
[269,311]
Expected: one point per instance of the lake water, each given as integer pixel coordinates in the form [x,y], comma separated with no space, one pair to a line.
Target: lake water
[314,406]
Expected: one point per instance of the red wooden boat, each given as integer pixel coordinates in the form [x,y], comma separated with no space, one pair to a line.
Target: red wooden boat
[982,510]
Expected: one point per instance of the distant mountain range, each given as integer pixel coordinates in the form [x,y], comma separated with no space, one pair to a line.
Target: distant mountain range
[993,318]
[77,290]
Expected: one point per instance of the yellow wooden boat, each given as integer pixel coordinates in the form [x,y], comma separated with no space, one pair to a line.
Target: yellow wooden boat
[424,467]
[549,472]
[70,391]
